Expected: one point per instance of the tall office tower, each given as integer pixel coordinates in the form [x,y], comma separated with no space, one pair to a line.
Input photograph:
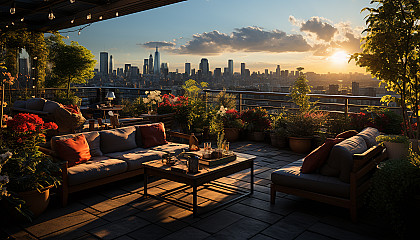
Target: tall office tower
[23,66]
[111,65]
[157,62]
[204,66]
[230,66]
[193,72]
[278,71]
[120,72]
[217,73]
[266,72]
[188,69]
[150,64]
[355,88]
[164,69]
[242,69]
[286,73]
[103,62]
[127,70]
[146,66]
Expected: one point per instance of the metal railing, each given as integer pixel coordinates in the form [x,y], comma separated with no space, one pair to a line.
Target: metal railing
[344,104]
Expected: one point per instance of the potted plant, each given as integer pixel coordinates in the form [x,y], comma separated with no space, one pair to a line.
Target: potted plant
[278,130]
[232,123]
[31,172]
[301,128]
[396,145]
[256,122]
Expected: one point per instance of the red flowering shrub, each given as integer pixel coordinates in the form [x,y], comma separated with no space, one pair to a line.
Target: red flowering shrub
[26,122]
[256,119]
[231,119]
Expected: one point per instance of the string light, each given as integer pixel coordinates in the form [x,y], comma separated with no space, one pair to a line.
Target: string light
[72,1]
[13,23]
[100,17]
[51,15]
[89,16]
[79,32]
[13,8]
[7,26]
[116,14]
[22,19]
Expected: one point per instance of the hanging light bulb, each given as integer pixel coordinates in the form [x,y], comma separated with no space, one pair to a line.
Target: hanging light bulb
[13,8]
[116,14]
[22,19]
[51,15]
[100,17]
[13,23]
[72,21]
[78,33]
[72,1]
[7,26]
[89,16]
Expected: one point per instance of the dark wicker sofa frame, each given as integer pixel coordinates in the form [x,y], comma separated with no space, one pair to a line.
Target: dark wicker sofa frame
[364,165]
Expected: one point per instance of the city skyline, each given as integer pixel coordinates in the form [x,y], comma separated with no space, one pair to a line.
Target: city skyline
[302,33]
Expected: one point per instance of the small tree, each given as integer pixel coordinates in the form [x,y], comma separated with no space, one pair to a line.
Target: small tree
[391,53]
[70,63]
[299,92]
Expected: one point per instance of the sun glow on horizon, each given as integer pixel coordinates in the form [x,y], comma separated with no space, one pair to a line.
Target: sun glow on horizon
[339,57]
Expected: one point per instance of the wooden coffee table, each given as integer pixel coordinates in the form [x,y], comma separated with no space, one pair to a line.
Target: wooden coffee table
[206,175]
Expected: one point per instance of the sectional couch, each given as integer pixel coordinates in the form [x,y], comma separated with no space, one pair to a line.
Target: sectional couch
[341,180]
[115,154]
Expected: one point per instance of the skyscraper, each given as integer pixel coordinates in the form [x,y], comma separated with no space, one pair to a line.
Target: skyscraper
[230,66]
[157,62]
[242,69]
[204,66]
[127,70]
[23,66]
[146,66]
[278,71]
[188,69]
[150,64]
[111,65]
[103,62]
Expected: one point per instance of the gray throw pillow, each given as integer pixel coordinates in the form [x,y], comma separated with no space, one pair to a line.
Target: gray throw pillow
[340,161]
[94,141]
[50,106]
[35,104]
[117,140]
[369,134]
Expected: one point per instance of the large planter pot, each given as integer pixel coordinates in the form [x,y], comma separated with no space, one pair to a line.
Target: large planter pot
[300,144]
[278,140]
[256,136]
[37,202]
[396,150]
[231,134]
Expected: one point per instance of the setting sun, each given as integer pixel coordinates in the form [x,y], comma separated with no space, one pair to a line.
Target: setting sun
[340,57]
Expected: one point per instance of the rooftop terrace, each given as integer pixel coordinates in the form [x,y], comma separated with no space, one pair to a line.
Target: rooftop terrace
[118,211]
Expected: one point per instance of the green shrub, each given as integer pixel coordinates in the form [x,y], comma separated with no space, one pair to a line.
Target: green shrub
[71,99]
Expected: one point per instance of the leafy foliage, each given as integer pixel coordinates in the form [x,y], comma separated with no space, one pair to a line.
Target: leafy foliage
[256,119]
[299,92]
[391,52]
[67,99]
[226,100]
[134,108]
[305,124]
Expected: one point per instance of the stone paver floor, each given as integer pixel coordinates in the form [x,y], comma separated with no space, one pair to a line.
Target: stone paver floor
[118,211]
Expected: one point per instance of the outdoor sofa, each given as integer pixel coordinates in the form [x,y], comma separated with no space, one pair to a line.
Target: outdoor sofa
[341,180]
[116,154]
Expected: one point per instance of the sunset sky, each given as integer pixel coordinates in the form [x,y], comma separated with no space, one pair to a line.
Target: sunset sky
[315,34]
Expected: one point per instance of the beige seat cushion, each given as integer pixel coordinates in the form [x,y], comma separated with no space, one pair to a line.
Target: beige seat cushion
[290,176]
[96,168]
[118,140]
[340,161]
[135,157]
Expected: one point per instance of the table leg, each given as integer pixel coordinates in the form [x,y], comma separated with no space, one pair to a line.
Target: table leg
[195,201]
[252,178]
[145,182]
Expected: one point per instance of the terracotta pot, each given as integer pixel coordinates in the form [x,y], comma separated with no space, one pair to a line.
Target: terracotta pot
[300,144]
[37,202]
[231,134]
[396,150]
[278,140]
[256,136]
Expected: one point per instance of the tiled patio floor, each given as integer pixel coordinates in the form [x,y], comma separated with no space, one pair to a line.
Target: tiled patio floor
[118,211]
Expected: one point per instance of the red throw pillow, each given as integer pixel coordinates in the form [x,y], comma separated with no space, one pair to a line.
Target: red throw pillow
[317,157]
[347,134]
[74,150]
[153,134]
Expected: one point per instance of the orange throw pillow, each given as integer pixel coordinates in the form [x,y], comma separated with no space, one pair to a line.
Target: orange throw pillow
[347,134]
[74,150]
[153,135]
[317,157]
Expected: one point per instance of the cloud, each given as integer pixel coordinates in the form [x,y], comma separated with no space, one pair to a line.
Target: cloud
[161,44]
[246,39]
[322,30]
